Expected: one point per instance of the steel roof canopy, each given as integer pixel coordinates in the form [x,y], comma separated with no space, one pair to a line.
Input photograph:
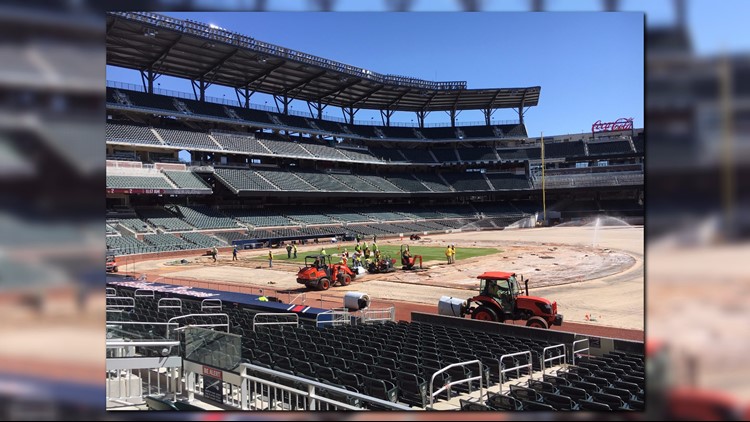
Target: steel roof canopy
[196,51]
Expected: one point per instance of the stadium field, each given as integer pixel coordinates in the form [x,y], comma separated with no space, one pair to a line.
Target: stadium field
[429,253]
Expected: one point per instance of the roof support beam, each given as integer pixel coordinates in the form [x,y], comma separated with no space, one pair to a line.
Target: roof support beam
[349,112]
[261,75]
[165,53]
[385,116]
[215,69]
[366,96]
[148,77]
[420,117]
[302,83]
[244,94]
[319,107]
[338,90]
[398,99]
[201,84]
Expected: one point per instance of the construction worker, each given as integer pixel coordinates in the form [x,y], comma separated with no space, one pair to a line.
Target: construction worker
[358,248]
[234,253]
[323,251]
[214,252]
[448,253]
[294,249]
[270,259]
[263,299]
[453,253]
[374,247]
[288,251]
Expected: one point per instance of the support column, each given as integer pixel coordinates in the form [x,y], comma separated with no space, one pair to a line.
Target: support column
[349,112]
[285,101]
[385,116]
[243,96]
[201,84]
[520,114]
[420,117]
[318,107]
[148,77]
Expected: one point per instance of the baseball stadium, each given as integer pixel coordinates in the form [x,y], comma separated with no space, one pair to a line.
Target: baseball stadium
[262,257]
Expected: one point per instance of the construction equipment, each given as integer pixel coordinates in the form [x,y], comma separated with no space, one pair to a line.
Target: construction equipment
[111,264]
[500,298]
[409,261]
[382,265]
[319,273]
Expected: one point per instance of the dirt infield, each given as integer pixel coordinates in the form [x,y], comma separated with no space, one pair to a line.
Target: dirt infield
[595,275]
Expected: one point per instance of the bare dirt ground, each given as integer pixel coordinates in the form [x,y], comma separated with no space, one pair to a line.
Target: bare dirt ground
[595,275]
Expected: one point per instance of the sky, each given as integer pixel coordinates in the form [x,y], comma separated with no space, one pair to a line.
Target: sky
[589,65]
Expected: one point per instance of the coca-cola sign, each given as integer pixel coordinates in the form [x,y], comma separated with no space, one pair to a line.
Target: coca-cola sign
[619,124]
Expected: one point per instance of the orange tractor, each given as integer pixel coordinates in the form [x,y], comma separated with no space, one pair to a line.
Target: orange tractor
[409,261]
[111,264]
[500,298]
[319,273]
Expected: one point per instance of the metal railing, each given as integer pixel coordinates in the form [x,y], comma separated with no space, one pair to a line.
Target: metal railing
[166,300]
[460,381]
[129,378]
[110,292]
[370,316]
[574,350]
[516,368]
[337,318]
[149,293]
[122,324]
[124,302]
[543,360]
[291,315]
[200,325]
[211,304]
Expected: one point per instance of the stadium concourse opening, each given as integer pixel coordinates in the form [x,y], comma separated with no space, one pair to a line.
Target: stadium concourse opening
[205,311]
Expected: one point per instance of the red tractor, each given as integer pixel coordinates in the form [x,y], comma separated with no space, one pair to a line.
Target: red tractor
[319,273]
[500,298]
[111,264]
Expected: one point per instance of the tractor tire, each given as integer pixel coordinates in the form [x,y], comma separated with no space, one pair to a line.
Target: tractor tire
[346,281]
[115,269]
[537,322]
[324,284]
[484,313]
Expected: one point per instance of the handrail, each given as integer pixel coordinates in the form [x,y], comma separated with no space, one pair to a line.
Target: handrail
[290,314]
[110,292]
[200,325]
[315,384]
[152,296]
[563,356]
[212,304]
[574,350]
[344,318]
[116,344]
[125,298]
[389,314]
[461,381]
[159,305]
[515,368]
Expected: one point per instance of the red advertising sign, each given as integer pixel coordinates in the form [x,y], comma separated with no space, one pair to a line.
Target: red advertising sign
[211,372]
[619,124]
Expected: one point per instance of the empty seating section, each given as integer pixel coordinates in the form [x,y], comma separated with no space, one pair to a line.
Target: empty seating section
[163,219]
[203,240]
[457,211]
[165,241]
[141,99]
[323,151]
[137,182]
[418,155]
[187,139]
[439,132]
[478,131]
[127,245]
[477,154]
[407,183]
[359,155]
[534,153]
[400,132]
[383,215]
[379,182]
[131,134]
[186,180]
[349,217]
[355,183]
[259,217]
[388,154]
[109,229]
[323,182]
[607,148]
[434,182]
[310,215]
[501,209]
[445,155]
[204,217]
[283,147]
[284,180]
[466,181]
[240,143]
[508,181]
[564,149]
[243,179]
[135,224]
